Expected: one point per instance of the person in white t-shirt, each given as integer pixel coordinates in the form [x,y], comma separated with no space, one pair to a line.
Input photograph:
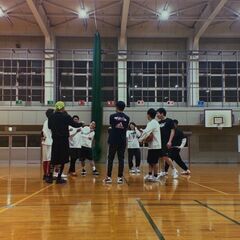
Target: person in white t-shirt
[46,145]
[152,132]
[87,135]
[133,135]
[75,145]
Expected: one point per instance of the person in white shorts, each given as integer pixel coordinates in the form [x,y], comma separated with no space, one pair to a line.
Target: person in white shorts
[87,135]
[46,145]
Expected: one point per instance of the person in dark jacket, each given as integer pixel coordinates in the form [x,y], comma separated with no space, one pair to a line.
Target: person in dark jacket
[117,141]
[59,123]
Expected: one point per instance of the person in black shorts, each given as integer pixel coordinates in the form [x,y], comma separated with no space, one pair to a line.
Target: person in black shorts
[178,143]
[117,141]
[59,123]
[154,145]
[87,135]
[167,134]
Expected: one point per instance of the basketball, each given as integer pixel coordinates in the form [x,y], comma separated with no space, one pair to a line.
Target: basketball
[149,138]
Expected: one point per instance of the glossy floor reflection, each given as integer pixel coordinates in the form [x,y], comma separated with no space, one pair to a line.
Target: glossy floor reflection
[203,206]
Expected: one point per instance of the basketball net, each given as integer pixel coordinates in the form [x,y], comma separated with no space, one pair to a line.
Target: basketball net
[219,126]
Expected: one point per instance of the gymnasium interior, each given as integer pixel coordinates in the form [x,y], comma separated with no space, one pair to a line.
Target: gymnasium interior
[181,55]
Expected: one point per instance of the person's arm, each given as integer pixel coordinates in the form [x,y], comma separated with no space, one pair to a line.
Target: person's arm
[73,133]
[72,123]
[50,123]
[111,121]
[169,144]
[184,141]
[138,132]
[146,132]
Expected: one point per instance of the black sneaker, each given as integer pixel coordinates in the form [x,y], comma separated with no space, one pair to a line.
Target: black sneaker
[60,181]
[44,177]
[49,179]
[84,172]
[95,172]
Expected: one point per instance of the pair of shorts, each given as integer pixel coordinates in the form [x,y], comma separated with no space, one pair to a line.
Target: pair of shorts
[86,153]
[75,153]
[154,155]
[46,153]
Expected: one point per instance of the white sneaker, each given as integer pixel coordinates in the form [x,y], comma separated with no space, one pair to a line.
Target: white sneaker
[107,180]
[150,178]
[146,177]
[188,172]
[138,170]
[162,174]
[132,170]
[174,173]
[120,180]
[156,179]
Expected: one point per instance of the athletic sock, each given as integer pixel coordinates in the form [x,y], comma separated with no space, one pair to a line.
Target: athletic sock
[94,168]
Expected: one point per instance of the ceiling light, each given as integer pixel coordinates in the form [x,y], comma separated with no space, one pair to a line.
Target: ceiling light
[2,14]
[164,15]
[176,86]
[135,86]
[83,14]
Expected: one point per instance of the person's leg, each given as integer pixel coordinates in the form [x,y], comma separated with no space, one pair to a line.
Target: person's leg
[59,179]
[130,158]
[120,153]
[155,170]
[89,156]
[49,178]
[73,159]
[138,157]
[177,158]
[166,167]
[149,176]
[111,154]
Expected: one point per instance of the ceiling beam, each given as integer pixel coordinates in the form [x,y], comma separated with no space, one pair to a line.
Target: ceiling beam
[17,5]
[124,19]
[40,18]
[210,12]
[104,7]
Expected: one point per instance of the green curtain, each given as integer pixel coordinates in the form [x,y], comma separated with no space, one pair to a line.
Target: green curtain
[97,109]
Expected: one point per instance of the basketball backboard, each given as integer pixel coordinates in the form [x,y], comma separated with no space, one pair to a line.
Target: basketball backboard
[218,118]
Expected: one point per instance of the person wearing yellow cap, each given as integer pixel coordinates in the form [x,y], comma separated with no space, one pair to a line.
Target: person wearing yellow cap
[59,123]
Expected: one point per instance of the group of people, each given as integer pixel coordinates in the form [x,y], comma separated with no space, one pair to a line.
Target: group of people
[65,137]
[162,136]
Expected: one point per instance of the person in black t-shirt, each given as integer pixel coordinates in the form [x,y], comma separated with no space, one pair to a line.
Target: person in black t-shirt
[59,123]
[167,134]
[117,141]
[178,142]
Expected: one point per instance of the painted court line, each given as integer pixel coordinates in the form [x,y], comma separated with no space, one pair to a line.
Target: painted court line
[150,220]
[24,199]
[216,211]
[209,188]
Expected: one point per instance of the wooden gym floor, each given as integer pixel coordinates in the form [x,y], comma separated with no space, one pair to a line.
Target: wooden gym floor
[204,206]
